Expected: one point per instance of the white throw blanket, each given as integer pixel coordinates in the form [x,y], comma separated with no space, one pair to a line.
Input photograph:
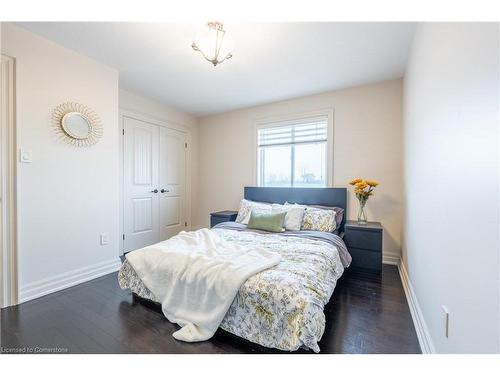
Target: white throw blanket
[196,275]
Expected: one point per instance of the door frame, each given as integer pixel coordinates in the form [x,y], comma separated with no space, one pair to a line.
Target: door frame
[125,113]
[8,219]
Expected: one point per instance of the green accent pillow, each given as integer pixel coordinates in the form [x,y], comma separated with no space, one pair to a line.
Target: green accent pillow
[271,222]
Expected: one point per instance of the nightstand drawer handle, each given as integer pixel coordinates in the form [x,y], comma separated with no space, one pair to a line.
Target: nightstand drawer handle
[164,191]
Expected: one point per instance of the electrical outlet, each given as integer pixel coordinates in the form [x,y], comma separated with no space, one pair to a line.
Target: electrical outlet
[446,321]
[25,156]
[104,239]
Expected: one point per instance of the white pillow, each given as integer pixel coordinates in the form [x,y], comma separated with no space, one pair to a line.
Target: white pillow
[246,208]
[294,215]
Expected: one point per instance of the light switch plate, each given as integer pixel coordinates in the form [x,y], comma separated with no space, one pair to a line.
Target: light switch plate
[25,156]
[104,239]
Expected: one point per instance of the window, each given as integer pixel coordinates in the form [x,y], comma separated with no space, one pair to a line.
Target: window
[293,153]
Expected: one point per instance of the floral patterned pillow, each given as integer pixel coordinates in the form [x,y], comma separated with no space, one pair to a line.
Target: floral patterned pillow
[247,206]
[318,219]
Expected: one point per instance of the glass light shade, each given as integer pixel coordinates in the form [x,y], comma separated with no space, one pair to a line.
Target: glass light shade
[214,43]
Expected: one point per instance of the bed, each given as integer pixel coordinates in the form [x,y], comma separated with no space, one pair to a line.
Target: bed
[281,307]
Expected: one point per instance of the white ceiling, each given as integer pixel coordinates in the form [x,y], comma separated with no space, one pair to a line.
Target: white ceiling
[271,61]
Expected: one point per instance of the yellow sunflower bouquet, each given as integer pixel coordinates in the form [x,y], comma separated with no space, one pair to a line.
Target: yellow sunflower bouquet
[363,189]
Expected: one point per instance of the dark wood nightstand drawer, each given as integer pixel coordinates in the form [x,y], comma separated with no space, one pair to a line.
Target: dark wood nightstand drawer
[364,243]
[222,217]
[214,220]
[363,239]
[366,259]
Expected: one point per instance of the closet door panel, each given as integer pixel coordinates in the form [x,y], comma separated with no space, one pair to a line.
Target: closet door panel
[140,175]
[172,178]
[172,211]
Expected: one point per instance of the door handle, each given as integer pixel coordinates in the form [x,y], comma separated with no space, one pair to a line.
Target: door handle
[164,191]
[154,191]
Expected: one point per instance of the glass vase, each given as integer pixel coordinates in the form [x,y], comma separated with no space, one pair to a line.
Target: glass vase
[362,219]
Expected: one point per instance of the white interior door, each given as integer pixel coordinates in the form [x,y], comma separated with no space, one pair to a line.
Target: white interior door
[8,254]
[172,182]
[3,123]
[141,189]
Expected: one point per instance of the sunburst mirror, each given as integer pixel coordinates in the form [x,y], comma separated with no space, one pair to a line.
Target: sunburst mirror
[77,124]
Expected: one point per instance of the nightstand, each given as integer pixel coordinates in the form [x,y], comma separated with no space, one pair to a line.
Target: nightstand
[222,216]
[364,243]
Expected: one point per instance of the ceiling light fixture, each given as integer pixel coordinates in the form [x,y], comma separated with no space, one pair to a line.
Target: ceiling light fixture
[215,44]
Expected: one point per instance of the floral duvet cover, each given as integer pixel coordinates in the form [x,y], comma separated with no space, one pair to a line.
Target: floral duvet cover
[281,307]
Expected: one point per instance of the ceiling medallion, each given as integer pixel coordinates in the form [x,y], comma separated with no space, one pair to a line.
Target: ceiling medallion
[214,44]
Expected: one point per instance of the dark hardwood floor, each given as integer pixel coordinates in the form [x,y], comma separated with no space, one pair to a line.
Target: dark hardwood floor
[368,313]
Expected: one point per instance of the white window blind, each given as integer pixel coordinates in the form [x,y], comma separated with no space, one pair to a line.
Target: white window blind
[293,153]
[305,131]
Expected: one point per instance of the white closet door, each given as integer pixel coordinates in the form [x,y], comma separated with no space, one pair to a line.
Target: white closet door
[172,182]
[140,173]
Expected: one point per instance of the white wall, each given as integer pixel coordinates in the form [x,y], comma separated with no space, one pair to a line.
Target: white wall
[67,196]
[135,102]
[150,108]
[367,144]
[451,247]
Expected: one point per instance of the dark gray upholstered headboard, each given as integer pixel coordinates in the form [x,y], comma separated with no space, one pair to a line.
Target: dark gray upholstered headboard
[333,197]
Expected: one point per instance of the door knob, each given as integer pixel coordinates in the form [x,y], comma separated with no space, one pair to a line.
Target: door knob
[164,191]
[154,191]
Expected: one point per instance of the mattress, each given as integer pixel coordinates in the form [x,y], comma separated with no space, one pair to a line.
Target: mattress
[281,307]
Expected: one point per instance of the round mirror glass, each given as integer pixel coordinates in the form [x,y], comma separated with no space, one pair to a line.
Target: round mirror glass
[76,125]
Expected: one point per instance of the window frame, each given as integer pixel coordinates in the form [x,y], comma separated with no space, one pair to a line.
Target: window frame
[287,120]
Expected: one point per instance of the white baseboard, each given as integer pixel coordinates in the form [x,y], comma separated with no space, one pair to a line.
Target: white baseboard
[65,280]
[391,258]
[424,337]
